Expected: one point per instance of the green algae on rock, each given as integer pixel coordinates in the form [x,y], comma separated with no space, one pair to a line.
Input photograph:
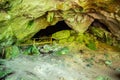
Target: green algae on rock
[20,20]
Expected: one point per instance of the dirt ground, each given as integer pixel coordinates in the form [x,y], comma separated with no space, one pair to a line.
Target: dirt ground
[101,63]
[80,64]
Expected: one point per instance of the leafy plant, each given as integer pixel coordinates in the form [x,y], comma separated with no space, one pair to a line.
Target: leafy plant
[4,73]
[50,16]
[64,50]
[31,50]
[103,78]
[91,45]
[12,52]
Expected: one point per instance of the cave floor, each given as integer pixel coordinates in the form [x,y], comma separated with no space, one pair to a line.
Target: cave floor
[100,64]
[80,64]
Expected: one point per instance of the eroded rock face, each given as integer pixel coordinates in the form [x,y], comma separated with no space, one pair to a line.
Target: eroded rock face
[22,19]
[111,20]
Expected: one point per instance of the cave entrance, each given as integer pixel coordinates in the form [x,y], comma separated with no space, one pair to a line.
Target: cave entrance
[61,25]
[99,24]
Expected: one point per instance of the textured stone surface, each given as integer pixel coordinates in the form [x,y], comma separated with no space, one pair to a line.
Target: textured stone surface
[22,19]
[83,65]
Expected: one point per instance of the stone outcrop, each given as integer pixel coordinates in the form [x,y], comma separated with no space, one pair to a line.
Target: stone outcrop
[22,19]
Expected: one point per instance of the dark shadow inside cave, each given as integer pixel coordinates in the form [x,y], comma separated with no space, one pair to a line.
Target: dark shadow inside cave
[61,25]
[98,24]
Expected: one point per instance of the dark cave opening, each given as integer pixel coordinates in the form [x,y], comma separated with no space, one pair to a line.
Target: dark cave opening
[61,25]
[99,24]
[98,30]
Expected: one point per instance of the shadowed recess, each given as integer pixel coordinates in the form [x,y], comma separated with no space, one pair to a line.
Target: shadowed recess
[61,25]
